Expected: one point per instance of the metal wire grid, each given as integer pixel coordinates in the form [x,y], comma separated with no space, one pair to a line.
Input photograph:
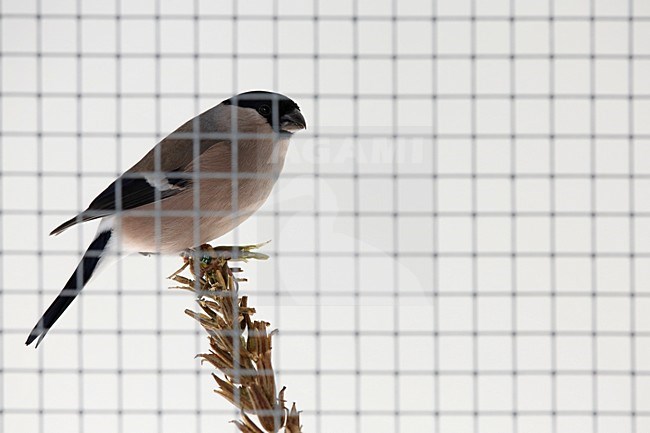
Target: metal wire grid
[440,414]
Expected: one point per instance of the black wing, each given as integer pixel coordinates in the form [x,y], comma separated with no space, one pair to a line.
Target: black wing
[134,191]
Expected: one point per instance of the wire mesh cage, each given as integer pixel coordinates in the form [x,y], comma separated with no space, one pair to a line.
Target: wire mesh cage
[460,240]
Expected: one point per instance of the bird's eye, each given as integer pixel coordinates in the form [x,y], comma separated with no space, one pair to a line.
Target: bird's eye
[264,110]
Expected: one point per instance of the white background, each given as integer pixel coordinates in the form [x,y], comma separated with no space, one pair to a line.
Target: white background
[429,272]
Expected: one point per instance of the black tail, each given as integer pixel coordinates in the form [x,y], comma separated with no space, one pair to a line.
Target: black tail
[77,281]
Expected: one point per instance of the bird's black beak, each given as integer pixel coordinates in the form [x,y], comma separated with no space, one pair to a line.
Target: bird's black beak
[292,122]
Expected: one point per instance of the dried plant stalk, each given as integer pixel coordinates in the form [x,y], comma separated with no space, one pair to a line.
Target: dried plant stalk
[240,347]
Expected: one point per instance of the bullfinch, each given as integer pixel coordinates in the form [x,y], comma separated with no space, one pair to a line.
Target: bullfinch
[197,184]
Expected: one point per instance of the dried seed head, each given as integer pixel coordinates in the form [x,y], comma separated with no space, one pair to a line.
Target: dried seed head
[240,348]
[246,425]
[293,421]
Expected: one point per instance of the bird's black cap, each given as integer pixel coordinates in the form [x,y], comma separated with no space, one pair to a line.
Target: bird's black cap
[266,104]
